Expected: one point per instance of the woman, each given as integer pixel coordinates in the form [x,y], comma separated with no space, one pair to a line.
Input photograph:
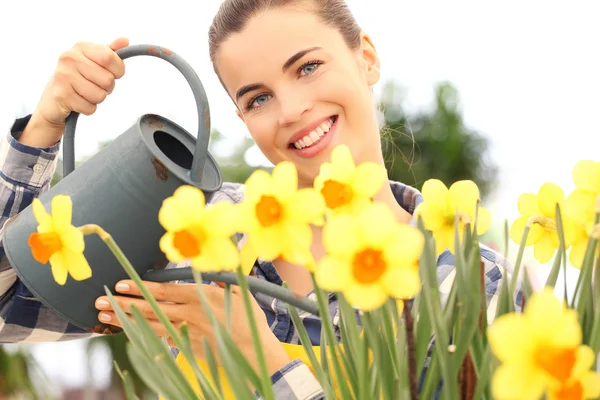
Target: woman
[300,74]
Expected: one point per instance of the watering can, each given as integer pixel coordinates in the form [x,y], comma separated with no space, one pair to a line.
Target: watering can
[121,188]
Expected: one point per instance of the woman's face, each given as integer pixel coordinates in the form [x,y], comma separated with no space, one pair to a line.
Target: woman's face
[301,90]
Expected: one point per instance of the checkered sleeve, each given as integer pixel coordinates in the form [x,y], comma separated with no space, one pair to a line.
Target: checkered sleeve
[295,381]
[25,173]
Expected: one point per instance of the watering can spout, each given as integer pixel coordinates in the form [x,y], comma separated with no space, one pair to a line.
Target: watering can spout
[121,188]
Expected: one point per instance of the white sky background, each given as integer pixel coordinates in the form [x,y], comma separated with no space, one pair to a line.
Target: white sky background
[527,74]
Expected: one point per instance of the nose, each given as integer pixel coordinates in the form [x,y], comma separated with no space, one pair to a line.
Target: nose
[292,106]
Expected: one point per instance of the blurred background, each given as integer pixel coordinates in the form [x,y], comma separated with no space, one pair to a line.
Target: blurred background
[503,93]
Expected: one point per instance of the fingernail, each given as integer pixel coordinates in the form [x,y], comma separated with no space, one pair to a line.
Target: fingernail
[105,317]
[102,304]
[122,287]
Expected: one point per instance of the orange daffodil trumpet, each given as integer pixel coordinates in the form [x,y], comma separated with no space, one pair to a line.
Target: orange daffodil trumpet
[541,353]
[277,215]
[346,187]
[441,205]
[370,257]
[59,242]
[198,233]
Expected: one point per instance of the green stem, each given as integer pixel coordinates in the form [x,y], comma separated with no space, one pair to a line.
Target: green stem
[267,390]
[124,261]
[515,275]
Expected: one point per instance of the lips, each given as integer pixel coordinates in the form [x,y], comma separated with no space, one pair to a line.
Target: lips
[312,140]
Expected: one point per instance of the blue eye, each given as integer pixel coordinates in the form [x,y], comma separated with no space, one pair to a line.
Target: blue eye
[258,101]
[309,67]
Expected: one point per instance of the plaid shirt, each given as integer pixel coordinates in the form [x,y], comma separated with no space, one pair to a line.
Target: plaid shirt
[26,172]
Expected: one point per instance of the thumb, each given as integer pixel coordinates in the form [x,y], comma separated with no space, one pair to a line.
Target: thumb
[119,43]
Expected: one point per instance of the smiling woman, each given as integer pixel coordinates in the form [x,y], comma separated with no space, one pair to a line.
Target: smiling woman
[300,74]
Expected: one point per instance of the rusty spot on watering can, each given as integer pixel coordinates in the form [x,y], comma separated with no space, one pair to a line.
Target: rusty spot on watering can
[206,119]
[155,124]
[161,171]
[153,51]
[167,52]
[105,329]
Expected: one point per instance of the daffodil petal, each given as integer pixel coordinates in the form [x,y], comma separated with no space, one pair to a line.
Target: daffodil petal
[586,175]
[434,191]
[72,239]
[580,205]
[333,273]
[340,235]
[246,220]
[517,230]
[508,340]
[223,251]
[59,268]
[324,175]
[402,282]
[584,358]
[369,178]
[77,265]
[259,183]
[546,313]
[305,206]
[62,211]
[544,249]
[463,196]
[285,180]
[517,382]
[484,220]
[444,240]
[267,242]
[205,263]
[577,252]
[591,385]
[528,204]
[433,216]
[220,219]
[166,246]
[184,208]
[548,197]
[343,164]
[376,224]
[43,219]
[406,247]
[365,297]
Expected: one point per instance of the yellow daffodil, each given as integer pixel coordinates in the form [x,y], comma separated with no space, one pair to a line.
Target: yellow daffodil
[586,175]
[540,351]
[277,215]
[345,186]
[57,241]
[540,212]
[581,206]
[198,233]
[441,205]
[370,257]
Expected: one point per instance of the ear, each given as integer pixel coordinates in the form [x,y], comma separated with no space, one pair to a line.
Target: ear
[370,60]
[239,114]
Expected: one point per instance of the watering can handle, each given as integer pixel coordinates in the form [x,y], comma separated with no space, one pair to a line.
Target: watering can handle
[201,151]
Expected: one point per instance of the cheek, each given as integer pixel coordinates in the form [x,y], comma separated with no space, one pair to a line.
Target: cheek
[263,129]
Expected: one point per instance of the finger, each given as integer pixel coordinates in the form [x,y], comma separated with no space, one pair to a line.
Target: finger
[96,74]
[110,318]
[88,90]
[119,43]
[106,58]
[172,311]
[77,103]
[171,292]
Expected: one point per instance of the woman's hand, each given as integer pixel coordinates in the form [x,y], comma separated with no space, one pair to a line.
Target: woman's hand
[181,304]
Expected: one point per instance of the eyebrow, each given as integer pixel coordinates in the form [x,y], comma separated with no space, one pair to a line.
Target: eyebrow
[253,86]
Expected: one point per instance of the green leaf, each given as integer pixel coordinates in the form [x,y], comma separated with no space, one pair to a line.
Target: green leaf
[484,374]
[553,275]
[308,348]
[212,365]
[128,385]
[151,375]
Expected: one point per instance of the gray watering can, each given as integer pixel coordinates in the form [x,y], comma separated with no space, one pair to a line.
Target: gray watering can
[121,188]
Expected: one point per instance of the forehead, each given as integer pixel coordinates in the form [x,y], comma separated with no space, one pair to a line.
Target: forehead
[267,41]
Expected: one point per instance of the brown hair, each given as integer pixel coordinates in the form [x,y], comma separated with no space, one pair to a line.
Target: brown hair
[233,15]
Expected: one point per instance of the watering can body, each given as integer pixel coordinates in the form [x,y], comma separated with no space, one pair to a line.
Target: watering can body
[121,188]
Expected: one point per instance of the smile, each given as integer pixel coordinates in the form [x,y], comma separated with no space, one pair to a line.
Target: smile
[316,140]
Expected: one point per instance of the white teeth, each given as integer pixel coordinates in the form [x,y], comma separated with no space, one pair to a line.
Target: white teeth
[315,135]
